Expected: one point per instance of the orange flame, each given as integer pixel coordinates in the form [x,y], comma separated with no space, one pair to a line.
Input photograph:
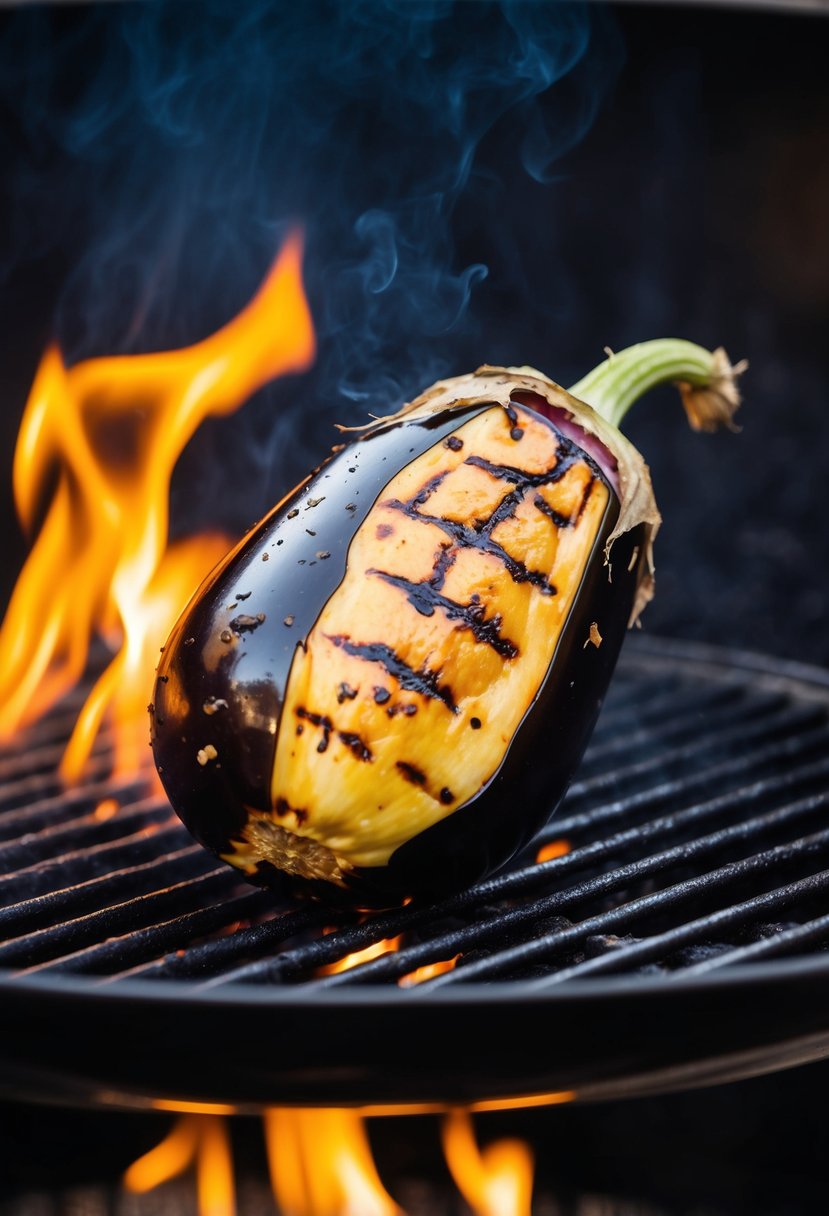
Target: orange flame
[427,972]
[321,1165]
[167,1160]
[202,1140]
[386,946]
[495,1181]
[556,848]
[101,439]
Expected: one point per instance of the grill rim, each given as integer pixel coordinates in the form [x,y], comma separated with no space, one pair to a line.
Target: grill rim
[182,993]
[672,999]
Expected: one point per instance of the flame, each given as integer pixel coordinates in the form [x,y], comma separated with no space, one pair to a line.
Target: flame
[214,1170]
[549,852]
[202,1140]
[386,946]
[100,441]
[427,972]
[105,809]
[167,1160]
[321,1165]
[495,1181]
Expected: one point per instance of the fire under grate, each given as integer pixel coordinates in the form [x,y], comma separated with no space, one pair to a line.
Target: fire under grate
[692,846]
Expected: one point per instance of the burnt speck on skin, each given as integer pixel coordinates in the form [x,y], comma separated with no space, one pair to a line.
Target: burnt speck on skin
[226,636]
[163,679]
[475,723]
[289,620]
[384,530]
[446,796]
[213,704]
[346,693]
[292,514]
[247,624]
[516,433]
[411,772]
[381,696]
[300,729]
[454,444]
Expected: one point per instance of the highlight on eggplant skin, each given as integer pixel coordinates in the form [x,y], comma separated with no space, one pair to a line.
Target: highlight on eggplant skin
[385,689]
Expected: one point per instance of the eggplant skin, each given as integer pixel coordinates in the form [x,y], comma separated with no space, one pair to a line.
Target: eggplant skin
[385,689]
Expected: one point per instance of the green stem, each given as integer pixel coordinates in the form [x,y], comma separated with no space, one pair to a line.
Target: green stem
[706,380]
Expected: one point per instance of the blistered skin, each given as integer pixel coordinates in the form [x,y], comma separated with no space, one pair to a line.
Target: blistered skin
[401,723]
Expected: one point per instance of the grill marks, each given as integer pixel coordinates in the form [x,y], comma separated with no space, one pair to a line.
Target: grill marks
[425,681]
[560,520]
[411,772]
[424,629]
[425,597]
[349,739]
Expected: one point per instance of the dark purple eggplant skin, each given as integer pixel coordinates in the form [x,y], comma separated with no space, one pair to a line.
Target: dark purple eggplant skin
[276,575]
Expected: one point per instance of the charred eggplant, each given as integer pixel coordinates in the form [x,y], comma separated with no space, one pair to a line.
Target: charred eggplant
[384,690]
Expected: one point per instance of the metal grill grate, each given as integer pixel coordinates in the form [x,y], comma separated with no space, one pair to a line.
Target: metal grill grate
[692,847]
[695,833]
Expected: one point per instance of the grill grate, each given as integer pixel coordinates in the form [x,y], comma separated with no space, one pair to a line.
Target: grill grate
[694,833]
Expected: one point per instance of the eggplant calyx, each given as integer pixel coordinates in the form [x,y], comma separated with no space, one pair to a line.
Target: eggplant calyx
[706,380]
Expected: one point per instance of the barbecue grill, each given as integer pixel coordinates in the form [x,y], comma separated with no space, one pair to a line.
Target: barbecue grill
[678,941]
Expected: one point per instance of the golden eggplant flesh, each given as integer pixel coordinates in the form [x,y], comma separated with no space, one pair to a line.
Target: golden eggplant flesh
[385,689]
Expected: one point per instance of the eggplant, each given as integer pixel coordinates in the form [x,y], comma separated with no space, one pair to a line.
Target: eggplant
[385,688]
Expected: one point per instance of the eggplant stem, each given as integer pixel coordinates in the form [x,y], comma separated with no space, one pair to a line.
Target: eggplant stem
[706,380]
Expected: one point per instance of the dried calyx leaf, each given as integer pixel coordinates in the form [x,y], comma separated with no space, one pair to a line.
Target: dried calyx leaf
[710,406]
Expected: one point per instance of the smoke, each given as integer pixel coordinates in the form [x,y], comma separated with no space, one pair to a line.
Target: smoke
[159,150]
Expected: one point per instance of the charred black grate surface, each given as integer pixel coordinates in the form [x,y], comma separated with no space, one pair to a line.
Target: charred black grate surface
[695,838]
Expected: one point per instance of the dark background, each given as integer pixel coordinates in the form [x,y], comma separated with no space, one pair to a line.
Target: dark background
[696,203]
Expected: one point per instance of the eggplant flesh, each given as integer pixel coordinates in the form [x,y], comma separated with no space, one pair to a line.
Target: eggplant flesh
[385,689]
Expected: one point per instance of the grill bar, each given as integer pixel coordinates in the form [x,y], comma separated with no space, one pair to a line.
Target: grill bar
[566,901]
[693,828]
